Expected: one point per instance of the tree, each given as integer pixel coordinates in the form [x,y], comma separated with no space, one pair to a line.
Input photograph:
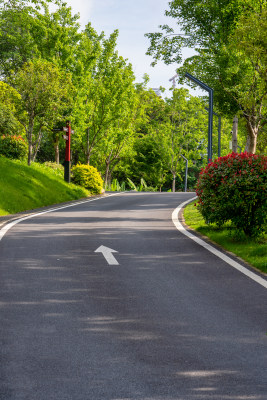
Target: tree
[43,89]
[149,162]
[143,157]
[247,51]
[29,30]
[8,122]
[222,61]
[17,42]
[106,100]
[184,133]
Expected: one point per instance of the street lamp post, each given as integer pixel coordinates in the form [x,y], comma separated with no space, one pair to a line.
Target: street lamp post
[219,130]
[210,91]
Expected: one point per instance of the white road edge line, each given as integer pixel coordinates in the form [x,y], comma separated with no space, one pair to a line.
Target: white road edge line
[212,249]
[8,226]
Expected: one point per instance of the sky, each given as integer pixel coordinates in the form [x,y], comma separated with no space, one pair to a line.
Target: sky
[133,18]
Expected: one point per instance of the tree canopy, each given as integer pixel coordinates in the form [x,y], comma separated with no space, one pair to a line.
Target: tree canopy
[53,71]
[229,38]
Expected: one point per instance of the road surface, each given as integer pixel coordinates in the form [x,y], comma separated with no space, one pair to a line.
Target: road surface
[167,320]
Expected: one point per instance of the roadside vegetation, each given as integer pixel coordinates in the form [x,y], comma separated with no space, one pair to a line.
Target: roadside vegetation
[25,188]
[231,206]
[233,188]
[251,250]
[61,72]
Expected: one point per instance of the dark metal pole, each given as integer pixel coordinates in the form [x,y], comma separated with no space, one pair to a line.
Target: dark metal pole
[219,130]
[210,90]
[210,125]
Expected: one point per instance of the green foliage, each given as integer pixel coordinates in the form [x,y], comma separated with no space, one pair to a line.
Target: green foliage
[58,169]
[30,30]
[106,103]
[48,145]
[229,39]
[234,188]
[251,250]
[149,161]
[116,186]
[142,187]
[88,177]
[131,184]
[24,187]
[170,129]
[44,91]
[184,133]
[13,147]
[9,125]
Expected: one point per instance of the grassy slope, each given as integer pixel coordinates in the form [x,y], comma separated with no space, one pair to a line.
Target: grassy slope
[25,188]
[254,252]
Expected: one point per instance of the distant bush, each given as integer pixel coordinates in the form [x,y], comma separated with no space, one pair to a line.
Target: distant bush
[13,147]
[233,188]
[57,168]
[88,177]
[54,165]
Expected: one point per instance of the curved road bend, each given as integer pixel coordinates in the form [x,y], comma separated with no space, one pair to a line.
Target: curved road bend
[168,321]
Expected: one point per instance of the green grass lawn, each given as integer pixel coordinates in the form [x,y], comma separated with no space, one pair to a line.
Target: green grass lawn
[24,187]
[252,251]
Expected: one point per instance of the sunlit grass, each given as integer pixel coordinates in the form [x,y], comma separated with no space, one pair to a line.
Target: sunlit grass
[24,187]
[252,251]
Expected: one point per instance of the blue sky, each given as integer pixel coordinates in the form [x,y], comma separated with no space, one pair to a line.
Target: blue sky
[133,19]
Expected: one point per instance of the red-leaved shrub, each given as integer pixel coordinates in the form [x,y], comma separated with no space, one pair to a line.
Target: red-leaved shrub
[233,188]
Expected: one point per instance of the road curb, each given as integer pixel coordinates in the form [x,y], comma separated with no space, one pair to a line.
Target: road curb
[197,237]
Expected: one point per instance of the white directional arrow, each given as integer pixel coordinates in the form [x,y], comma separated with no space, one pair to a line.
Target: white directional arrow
[107,253]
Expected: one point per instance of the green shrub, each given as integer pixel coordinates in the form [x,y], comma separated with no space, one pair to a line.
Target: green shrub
[88,177]
[116,186]
[58,169]
[233,188]
[13,147]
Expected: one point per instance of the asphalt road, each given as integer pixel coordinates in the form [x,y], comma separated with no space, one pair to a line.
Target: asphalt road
[168,321]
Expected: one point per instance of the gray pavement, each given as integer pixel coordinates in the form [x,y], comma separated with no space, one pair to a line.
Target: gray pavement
[170,321]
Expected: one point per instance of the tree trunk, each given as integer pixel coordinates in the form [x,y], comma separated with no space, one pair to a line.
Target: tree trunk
[173,182]
[30,148]
[37,145]
[111,169]
[234,135]
[251,137]
[29,153]
[56,148]
[106,174]
[88,148]
[88,155]
[109,178]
